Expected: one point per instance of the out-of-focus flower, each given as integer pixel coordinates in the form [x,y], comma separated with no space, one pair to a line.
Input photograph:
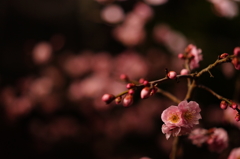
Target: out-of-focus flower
[173,40]
[235,153]
[235,60]
[215,138]
[112,14]
[132,64]
[42,53]
[218,140]
[184,72]
[225,8]
[195,55]
[229,115]
[155,2]
[198,136]
[179,120]
[131,31]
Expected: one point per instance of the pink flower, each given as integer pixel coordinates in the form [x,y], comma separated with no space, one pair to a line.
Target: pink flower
[175,131]
[235,153]
[190,113]
[172,116]
[197,56]
[218,141]
[198,136]
[179,120]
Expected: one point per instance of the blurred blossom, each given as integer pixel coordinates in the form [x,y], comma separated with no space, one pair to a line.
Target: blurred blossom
[112,14]
[102,63]
[77,65]
[143,11]
[218,141]
[40,88]
[199,136]
[132,64]
[225,8]
[42,53]
[17,107]
[229,115]
[235,153]
[155,2]
[132,32]
[55,75]
[173,40]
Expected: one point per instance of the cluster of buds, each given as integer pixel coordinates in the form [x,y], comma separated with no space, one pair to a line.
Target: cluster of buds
[147,89]
[224,105]
[193,55]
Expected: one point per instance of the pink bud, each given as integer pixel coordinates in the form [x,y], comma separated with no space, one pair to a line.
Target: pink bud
[236,63]
[130,85]
[145,93]
[233,105]
[108,98]
[141,80]
[237,117]
[181,56]
[184,72]
[131,91]
[224,55]
[118,100]
[236,51]
[124,77]
[145,83]
[172,75]
[223,104]
[127,100]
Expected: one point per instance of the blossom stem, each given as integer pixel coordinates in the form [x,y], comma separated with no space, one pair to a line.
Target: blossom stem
[174,148]
[218,61]
[169,95]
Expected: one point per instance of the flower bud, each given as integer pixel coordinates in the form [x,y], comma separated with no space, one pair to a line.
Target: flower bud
[130,85]
[127,100]
[236,51]
[223,104]
[124,77]
[236,63]
[118,100]
[237,117]
[108,98]
[181,56]
[145,93]
[172,75]
[145,83]
[131,91]
[184,72]
[224,55]
[233,105]
[141,80]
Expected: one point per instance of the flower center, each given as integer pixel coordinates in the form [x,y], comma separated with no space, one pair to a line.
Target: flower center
[188,116]
[174,118]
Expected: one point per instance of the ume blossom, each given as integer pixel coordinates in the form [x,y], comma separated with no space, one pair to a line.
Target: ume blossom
[179,120]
